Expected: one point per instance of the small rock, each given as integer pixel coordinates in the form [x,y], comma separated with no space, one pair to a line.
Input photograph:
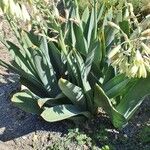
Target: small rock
[2,130]
[125,135]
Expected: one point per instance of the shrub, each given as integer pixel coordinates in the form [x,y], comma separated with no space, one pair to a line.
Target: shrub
[66,62]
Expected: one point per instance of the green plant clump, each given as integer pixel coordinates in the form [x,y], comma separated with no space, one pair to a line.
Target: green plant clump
[72,64]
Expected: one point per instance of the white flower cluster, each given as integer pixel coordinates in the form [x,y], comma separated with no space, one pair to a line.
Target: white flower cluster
[133,56]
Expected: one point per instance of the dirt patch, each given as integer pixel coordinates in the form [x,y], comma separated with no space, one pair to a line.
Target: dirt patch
[4,55]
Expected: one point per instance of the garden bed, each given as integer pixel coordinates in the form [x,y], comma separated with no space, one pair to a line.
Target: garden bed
[23,131]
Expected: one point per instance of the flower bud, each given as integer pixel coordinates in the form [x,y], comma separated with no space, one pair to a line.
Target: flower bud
[146,48]
[142,71]
[113,25]
[114,51]
[146,32]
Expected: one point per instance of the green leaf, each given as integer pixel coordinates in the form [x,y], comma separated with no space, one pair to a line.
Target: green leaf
[109,74]
[45,72]
[83,69]
[125,26]
[21,59]
[55,57]
[73,92]
[61,112]
[88,64]
[96,48]
[35,39]
[26,40]
[116,85]
[109,35]
[28,80]
[33,85]
[101,100]
[135,96]
[73,68]
[58,100]
[100,12]
[81,44]
[73,36]
[26,101]
[89,29]
[85,15]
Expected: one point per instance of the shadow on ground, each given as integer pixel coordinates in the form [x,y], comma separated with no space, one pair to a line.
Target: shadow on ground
[15,123]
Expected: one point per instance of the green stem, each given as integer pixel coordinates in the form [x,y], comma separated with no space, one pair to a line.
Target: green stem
[95,19]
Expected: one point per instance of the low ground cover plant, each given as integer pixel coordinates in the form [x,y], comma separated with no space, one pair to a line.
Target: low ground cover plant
[74,62]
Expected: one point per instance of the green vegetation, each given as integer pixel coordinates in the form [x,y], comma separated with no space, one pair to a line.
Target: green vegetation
[74,64]
[144,135]
[80,139]
[102,137]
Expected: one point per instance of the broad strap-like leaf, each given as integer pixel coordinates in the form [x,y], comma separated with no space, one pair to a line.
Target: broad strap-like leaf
[89,29]
[109,74]
[45,72]
[109,36]
[34,85]
[100,12]
[125,26]
[96,56]
[60,99]
[88,64]
[101,100]
[61,112]
[26,101]
[134,97]
[28,80]
[73,92]
[72,68]
[73,36]
[116,85]
[44,67]
[81,43]
[55,56]
[85,16]
[22,59]
[83,69]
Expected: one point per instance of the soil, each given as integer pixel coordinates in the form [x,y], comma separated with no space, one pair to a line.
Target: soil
[23,131]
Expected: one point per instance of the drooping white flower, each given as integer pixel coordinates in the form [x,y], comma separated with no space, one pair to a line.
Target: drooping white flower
[146,32]
[25,14]
[146,49]
[114,51]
